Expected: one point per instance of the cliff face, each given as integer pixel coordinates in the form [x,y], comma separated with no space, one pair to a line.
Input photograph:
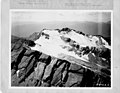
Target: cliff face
[32,67]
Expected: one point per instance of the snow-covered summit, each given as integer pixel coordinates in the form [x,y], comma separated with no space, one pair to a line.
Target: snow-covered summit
[71,45]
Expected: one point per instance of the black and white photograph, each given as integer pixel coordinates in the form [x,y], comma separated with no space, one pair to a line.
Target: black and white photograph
[60,48]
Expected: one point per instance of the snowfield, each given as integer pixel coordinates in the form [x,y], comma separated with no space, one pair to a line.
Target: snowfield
[50,43]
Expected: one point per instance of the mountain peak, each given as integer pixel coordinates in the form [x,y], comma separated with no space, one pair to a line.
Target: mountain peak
[72,45]
[50,57]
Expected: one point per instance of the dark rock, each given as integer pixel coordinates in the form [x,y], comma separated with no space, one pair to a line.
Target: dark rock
[14,80]
[24,62]
[57,77]
[44,84]
[67,30]
[15,64]
[29,52]
[48,78]
[39,71]
[48,69]
[45,58]
[28,70]
[73,79]
[65,73]
[30,43]
[75,67]
[29,81]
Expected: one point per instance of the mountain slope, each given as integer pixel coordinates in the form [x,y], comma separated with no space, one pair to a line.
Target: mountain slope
[69,45]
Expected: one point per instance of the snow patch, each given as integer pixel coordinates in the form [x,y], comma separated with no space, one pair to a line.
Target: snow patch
[55,46]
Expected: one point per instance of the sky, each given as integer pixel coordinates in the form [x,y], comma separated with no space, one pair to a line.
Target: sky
[59,15]
[24,23]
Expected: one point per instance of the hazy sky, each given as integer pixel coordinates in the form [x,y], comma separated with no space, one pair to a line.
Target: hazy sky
[61,15]
[24,23]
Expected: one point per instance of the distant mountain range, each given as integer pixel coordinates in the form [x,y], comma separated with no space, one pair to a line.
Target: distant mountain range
[24,29]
